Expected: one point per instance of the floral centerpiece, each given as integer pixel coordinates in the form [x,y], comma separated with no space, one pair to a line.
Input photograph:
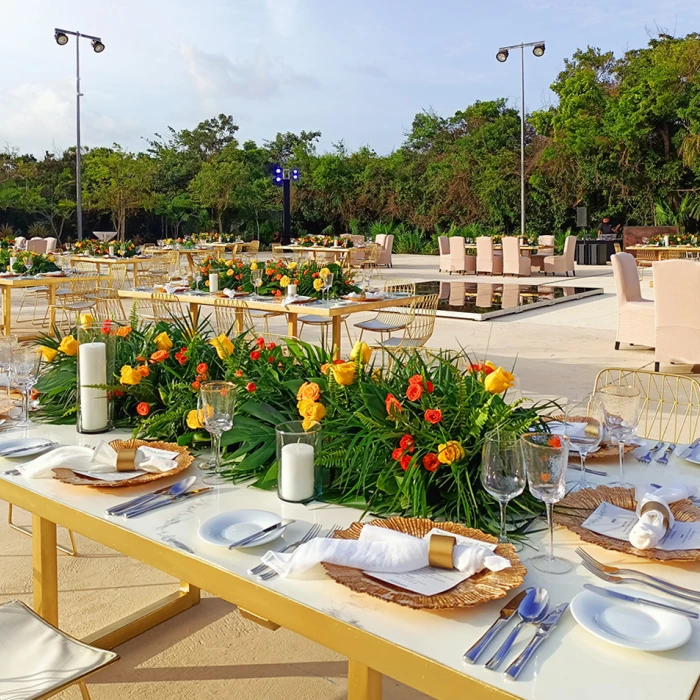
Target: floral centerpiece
[402,440]
[674,239]
[7,242]
[325,242]
[40,261]
[277,276]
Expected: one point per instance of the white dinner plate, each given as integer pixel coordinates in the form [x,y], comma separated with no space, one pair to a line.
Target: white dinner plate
[34,446]
[226,528]
[630,625]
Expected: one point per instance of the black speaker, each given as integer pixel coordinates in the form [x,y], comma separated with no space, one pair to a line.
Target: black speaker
[582,217]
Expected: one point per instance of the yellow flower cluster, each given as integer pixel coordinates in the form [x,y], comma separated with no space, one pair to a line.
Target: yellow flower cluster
[498,381]
[318,284]
[222,345]
[451,451]
[361,350]
[310,409]
[130,375]
[163,342]
[344,374]
[69,346]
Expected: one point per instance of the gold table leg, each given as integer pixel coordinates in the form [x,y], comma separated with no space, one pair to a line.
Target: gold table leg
[364,683]
[45,560]
[52,306]
[7,310]
[292,325]
[335,342]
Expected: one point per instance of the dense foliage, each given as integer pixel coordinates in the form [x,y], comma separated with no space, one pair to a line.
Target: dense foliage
[401,440]
[623,139]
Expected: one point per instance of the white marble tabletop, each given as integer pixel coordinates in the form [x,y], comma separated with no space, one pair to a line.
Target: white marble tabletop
[571,664]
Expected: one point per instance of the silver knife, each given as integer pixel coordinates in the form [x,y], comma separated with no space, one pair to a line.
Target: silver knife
[596,472]
[166,502]
[640,601]
[507,612]
[689,450]
[19,450]
[260,533]
[543,631]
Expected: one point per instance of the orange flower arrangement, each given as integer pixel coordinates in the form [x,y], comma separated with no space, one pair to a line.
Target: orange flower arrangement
[160,356]
[414,392]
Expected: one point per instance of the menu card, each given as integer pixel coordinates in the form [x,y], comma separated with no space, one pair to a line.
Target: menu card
[616,522]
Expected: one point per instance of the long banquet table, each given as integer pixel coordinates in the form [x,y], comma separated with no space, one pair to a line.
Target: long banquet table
[421,649]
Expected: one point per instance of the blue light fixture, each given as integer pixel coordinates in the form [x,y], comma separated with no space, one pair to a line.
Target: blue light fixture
[295,174]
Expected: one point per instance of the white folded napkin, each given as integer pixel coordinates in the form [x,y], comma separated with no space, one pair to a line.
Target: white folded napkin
[101,460]
[381,550]
[651,527]
[572,429]
[230,293]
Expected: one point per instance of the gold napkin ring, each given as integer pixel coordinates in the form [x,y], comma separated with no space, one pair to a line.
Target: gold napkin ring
[126,459]
[440,551]
[655,506]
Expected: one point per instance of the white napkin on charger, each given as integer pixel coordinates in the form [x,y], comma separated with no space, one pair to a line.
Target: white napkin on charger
[651,529]
[101,460]
[381,550]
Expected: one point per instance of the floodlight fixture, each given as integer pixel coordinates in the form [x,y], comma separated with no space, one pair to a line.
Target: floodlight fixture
[97,46]
[61,38]
[502,56]
[538,50]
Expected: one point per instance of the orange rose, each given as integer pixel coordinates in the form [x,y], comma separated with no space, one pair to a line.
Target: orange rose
[433,415]
[160,356]
[144,370]
[309,390]
[392,405]
[414,392]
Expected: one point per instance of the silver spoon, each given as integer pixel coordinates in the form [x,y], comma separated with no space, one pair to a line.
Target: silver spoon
[533,609]
[175,490]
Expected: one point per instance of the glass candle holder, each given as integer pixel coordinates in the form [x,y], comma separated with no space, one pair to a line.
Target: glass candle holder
[96,357]
[298,474]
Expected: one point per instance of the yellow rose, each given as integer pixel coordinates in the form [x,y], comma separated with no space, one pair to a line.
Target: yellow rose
[229,273]
[318,284]
[309,390]
[307,424]
[284,282]
[163,342]
[324,272]
[193,421]
[129,375]
[498,381]
[253,266]
[344,374]
[361,350]
[311,410]
[86,319]
[69,346]
[450,452]
[325,367]
[292,266]
[48,354]
[222,345]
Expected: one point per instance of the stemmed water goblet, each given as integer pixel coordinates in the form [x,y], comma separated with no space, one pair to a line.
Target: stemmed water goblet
[328,285]
[197,276]
[24,372]
[622,409]
[546,458]
[583,426]
[218,403]
[256,279]
[29,264]
[503,473]
[8,344]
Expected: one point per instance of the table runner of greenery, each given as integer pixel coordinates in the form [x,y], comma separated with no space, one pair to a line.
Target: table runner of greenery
[401,440]
[124,249]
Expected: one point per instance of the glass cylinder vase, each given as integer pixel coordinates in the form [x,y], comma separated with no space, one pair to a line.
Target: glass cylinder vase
[298,472]
[96,358]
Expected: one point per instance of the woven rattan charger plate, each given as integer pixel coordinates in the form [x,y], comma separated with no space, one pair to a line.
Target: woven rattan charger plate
[574,508]
[184,460]
[605,451]
[479,588]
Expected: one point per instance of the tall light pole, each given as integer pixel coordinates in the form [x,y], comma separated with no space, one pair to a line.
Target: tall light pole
[61,37]
[502,57]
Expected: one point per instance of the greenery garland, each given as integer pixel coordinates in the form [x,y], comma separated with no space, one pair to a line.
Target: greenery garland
[404,440]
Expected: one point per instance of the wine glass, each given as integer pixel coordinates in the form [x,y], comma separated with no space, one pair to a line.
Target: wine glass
[218,400]
[197,276]
[327,285]
[8,344]
[256,279]
[29,263]
[622,409]
[546,458]
[503,473]
[24,371]
[583,427]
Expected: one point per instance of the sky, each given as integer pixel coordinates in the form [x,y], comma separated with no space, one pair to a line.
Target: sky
[355,71]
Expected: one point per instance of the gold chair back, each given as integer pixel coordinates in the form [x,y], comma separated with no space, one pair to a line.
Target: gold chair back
[118,276]
[253,248]
[165,307]
[422,324]
[232,317]
[646,257]
[108,306]
[671,408]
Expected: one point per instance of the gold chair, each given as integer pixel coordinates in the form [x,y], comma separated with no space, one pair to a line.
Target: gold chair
[78,298]
[419,328]
[108,306]
[372,253]
[323,322]
[232,317]
[671,402]
[393,318]
[253,248]
[166,307]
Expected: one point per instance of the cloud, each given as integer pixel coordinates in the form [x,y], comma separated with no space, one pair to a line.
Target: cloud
[368,69]
[260,78]
[282,15]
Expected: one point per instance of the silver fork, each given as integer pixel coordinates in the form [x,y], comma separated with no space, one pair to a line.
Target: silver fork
[664,457]
[646,459]
[271,574]
[312,532]
[610,574]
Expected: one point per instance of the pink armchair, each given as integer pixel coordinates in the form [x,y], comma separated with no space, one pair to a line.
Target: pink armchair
[51,245]
[444,246]
[36,245]
[676,311]
[635,314]
[513,262]
[387,246]
[459,260]
[486,260]
[545,249]
[20,243]
[560,264]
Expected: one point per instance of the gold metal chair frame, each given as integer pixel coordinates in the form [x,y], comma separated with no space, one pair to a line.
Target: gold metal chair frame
[671,402]
[395,317]
[233,315]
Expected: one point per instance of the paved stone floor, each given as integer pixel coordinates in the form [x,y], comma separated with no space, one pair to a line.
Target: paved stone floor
[210,651]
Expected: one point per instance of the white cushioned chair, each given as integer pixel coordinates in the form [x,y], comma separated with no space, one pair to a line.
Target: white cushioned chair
[635,314]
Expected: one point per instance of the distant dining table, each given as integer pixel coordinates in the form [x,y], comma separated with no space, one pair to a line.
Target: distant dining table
[107,262]
[314,251]
[336,309]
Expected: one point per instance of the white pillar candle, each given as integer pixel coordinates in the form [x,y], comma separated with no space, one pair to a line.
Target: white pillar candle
[297,472]
[12,264]
[92,360]
[214,282]
[666,241]
[291,290]
[111,251]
